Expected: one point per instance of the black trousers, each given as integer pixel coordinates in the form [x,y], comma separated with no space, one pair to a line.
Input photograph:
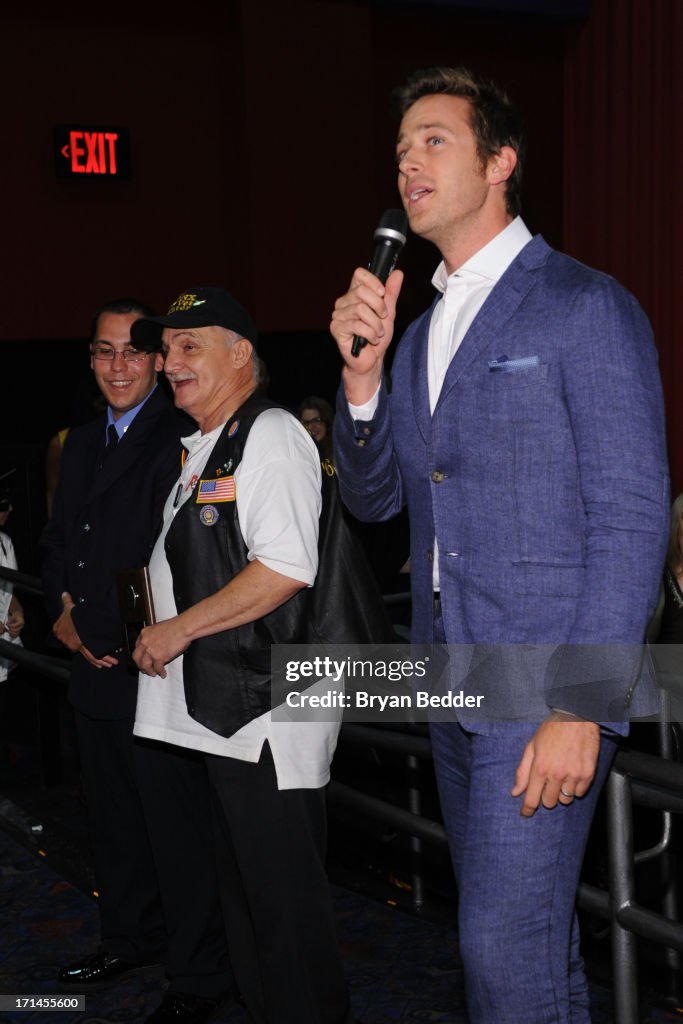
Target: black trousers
[276,897]
[149,810]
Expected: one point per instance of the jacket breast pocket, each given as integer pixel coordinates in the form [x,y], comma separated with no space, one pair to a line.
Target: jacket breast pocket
[495,400]
[522,373]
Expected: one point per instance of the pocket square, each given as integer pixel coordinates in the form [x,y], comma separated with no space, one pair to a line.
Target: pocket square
[505,365]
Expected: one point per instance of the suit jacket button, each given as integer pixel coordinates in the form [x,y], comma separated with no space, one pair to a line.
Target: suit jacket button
[81,600]
[360,442]
[81,564]
[430,555]
[438,476]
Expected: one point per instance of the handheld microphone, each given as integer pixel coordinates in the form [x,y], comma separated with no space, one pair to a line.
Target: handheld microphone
[390,237]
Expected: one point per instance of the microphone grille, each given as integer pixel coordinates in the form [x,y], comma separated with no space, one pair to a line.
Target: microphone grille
[394,220]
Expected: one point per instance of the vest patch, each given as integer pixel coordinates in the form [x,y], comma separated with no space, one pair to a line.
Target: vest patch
[209,515]
[216,490]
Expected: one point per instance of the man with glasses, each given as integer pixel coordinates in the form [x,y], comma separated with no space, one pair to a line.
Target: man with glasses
[115,474]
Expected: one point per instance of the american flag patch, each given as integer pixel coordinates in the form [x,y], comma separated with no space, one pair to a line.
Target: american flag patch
[216,490]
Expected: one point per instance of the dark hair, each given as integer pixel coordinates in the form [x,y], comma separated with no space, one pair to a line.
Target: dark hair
[119,306]
[323,407]
[494,120]
[674,555]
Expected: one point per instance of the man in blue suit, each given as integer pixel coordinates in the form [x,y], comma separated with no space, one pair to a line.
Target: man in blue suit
[523,426]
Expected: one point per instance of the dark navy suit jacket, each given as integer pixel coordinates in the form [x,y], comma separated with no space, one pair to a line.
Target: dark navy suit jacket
[105,520]
[542,471]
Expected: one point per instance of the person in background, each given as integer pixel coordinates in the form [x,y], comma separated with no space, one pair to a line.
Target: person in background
[53,459]
[665,630]
[55,447]
[524,429]
[317,417]
[262,376]
[148,805]
[670,613]
[11,611]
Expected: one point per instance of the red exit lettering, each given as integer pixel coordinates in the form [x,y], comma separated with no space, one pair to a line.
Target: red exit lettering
[92,152]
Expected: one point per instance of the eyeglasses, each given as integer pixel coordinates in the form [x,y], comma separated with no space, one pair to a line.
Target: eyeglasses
[107,353]
[313,419]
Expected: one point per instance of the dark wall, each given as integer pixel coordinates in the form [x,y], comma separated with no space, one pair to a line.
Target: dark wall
[74,243]
[623,103]
[261,146]
[524,55]
[262,158]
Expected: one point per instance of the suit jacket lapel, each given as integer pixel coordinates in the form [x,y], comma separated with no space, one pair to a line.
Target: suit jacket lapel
[498,309]
[129,448]
[420,385]
[92,454]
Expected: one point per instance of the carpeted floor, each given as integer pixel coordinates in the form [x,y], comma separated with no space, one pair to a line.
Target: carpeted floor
[400,967]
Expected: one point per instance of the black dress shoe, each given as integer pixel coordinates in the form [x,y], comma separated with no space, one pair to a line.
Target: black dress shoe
[96,972]
[183,1008]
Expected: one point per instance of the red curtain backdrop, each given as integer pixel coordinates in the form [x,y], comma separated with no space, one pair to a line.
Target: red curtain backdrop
[623,151]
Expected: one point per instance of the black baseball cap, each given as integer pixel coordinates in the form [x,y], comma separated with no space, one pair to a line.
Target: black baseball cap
[197,307]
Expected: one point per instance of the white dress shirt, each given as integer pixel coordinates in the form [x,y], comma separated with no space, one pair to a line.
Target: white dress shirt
[463,294]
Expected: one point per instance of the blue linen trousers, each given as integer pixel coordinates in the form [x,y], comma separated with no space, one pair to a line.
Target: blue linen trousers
[517,878]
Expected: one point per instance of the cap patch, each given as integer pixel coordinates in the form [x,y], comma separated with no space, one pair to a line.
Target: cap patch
[185,301]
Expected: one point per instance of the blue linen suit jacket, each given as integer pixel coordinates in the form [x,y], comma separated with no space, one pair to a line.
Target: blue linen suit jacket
[542,473]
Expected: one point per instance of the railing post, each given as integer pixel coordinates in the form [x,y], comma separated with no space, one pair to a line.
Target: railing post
[415,806]
[668,866]
[622,893]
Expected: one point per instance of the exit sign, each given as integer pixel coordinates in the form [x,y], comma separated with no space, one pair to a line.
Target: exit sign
[91,151]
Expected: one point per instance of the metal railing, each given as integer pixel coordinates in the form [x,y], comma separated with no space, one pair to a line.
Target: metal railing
[22,581]
[636,778]
[647,781]
[43,664]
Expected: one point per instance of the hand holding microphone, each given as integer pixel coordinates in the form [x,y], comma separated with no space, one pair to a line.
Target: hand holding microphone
[390,237]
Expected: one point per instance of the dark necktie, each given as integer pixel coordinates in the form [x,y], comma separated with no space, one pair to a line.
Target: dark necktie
[112,441]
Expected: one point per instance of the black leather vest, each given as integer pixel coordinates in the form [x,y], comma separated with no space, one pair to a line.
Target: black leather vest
[226,675]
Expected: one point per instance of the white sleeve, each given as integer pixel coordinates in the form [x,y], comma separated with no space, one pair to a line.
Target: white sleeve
[367,410]
[10,561]
[277,487]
